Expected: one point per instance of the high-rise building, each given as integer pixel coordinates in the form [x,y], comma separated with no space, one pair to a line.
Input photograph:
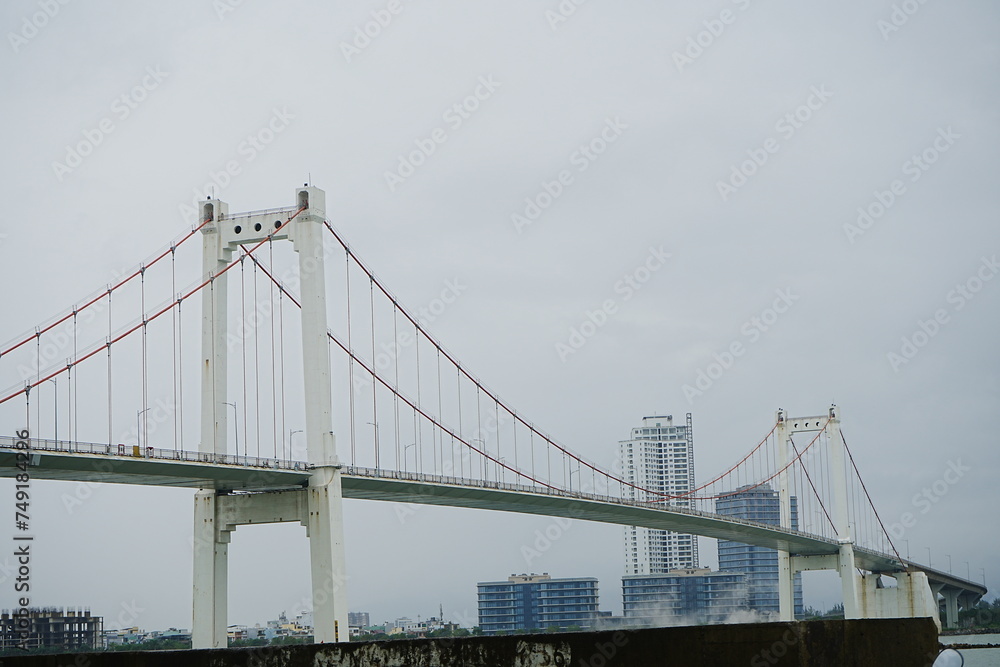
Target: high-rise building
[759,564]
[659,456]
[536,601]
[359,619]
[48,627]
[687,597]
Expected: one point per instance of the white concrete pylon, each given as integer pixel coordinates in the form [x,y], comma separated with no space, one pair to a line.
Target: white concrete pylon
[850,579]
[326,515]
[786,577]
[211,574]
[216,256]
[324,519]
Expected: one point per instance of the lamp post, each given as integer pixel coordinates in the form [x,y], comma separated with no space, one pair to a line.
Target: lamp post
[577,471]
[376,442]
[949,563]
[907,549]
[55,396]
[406,451]
[291,434]
[138,428]
[968,572]
[485,452]
[236,426]
[930,563]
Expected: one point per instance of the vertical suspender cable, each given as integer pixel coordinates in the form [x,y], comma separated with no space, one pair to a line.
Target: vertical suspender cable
[110,394]
[244,331]
[395,366]
[173,344]
[180,371]
[256,375]
[440,412]
[496,417]
[420,403]
[281,363]
[479,432]
[274,378]
[145,374]
[350,379]
[371,305]
[461,457]
[75,384]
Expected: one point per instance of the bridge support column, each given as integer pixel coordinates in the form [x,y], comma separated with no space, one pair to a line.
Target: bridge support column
[211,575]
[326,515]
[325,527]
[951,608]
[911,597]
[786,577]
[849,580]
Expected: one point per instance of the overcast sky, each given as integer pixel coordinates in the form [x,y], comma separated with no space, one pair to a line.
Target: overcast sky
[839,157]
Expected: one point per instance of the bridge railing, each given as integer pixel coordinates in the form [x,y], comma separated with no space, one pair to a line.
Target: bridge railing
[561,493]
[137,451]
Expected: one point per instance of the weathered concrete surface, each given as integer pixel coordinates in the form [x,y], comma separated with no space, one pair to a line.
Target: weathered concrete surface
[874,643]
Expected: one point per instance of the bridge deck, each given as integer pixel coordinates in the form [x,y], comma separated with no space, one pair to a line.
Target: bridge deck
[65,461]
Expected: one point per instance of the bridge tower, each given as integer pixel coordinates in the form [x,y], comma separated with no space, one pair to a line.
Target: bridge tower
[864,595]
[320,506]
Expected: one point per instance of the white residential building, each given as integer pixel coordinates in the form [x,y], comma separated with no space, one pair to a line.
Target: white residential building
[659,457]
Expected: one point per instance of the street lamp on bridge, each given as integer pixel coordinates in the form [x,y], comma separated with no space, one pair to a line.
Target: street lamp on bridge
[236,430]
[291,433]
[55,398]
[138,428]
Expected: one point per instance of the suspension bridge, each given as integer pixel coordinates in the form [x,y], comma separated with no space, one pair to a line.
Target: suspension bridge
[304,333]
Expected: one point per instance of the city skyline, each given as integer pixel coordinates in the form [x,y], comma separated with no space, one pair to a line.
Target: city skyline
[833,268]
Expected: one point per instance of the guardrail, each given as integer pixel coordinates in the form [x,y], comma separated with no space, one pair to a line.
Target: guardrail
[136,451]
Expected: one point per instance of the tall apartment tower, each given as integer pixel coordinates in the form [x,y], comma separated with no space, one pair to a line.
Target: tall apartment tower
[758,564]
[659,456]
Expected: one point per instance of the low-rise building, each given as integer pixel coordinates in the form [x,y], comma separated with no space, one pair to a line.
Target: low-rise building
[684,597]
[73,629]
[536,602]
